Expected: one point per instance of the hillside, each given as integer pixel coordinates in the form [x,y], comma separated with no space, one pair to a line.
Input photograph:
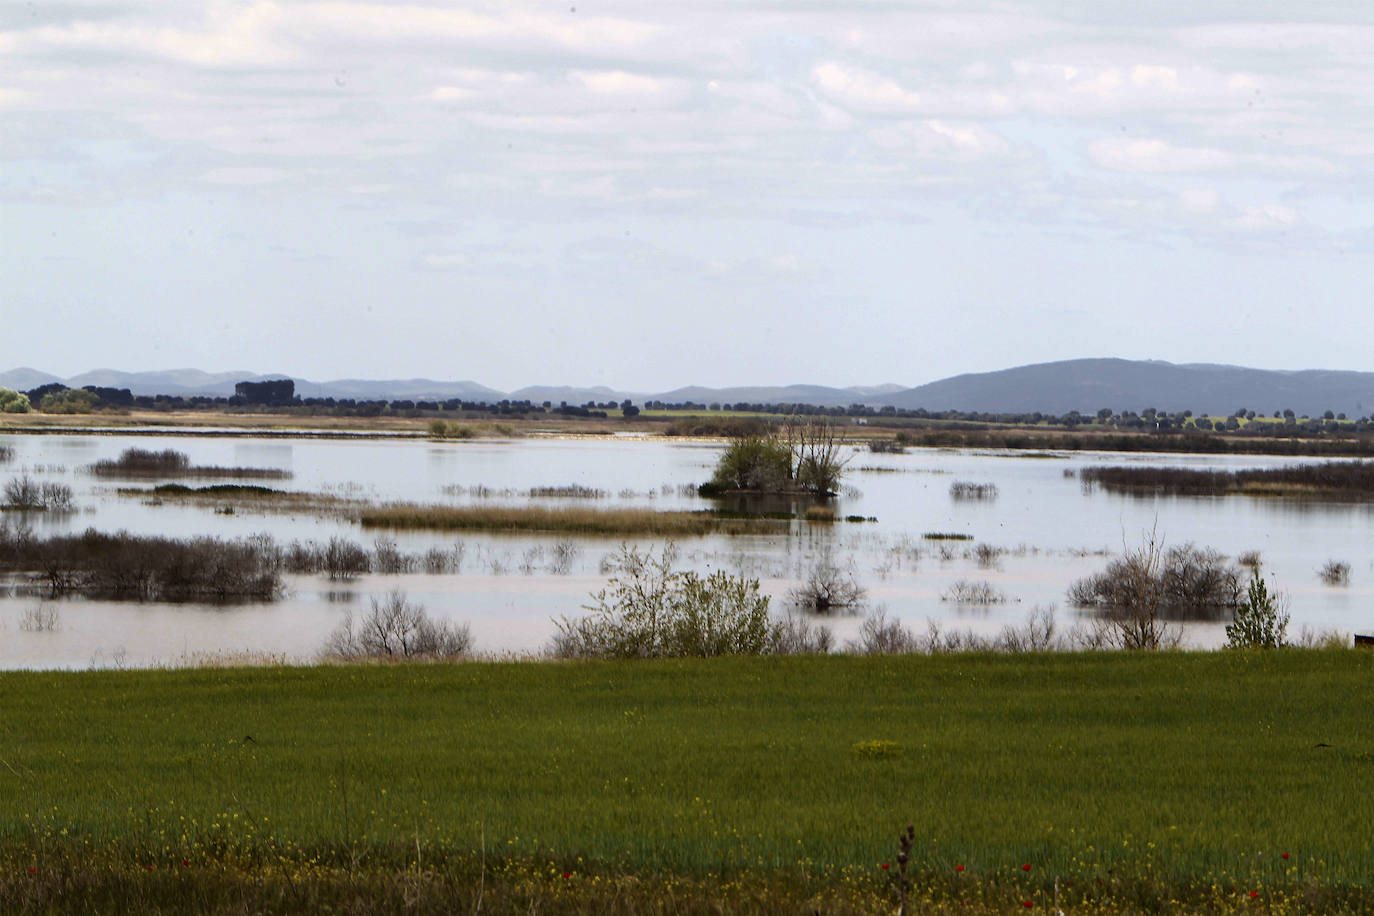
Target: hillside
[1087,385]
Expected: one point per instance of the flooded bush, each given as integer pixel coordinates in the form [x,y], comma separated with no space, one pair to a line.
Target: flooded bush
[1144,588]
[828,586]
[396,630]
[650,610]
[885,447]
[25,493]
[343,559]
[963,489]
[569,491]
[6,453]
[39,619]
[145,568]
[1335,573]
[1186,582]
[388,560]
[966,592]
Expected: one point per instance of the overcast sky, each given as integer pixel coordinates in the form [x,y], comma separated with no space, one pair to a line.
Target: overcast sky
[649,194]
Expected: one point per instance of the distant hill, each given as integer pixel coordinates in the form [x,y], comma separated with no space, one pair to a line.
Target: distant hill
[1087,385]
[790,394]
[557,394]
[194,382]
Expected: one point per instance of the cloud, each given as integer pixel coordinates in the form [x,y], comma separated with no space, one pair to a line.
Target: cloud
[1153,155]
[862,89]
[617,82]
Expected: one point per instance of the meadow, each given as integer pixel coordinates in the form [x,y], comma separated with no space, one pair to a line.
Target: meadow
[1099,782]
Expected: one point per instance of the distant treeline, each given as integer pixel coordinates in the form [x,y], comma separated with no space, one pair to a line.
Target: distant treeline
[279,395]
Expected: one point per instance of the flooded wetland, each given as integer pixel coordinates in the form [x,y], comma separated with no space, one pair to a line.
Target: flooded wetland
[967,540]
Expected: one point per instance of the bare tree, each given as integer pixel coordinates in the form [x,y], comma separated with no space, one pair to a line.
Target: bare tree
[397,630]
[817,453]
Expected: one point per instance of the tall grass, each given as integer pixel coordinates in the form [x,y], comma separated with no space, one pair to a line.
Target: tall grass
[140,462]
[1329,478]
[571,520]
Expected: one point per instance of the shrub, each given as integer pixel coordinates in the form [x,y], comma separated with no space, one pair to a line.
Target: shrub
[12,401]
[26,493]
[1335,573]
[1260,621]
[344,559]
[963,489]
[966,592]
[828,586]
[1139,588]
[753,463]
[71,400]
[1185,581]
[396,630]
[650,610]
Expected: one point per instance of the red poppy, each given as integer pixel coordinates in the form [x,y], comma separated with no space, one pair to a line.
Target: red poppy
[185,861]
[885,865]
[1026,867]
[1027,904]
[567,874]
[958,868]
[149,867]
[1284,856]
[32,869]
[1254,894]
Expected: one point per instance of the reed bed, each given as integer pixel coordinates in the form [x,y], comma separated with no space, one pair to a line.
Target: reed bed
[568,520]
[140,462]
[1352,479]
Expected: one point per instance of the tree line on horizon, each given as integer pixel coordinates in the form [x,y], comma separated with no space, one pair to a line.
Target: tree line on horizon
[279,394]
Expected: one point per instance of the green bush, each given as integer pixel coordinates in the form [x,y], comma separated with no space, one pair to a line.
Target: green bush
[1260,621]
[13,401]
[650,610]
[71,400]
[753,463]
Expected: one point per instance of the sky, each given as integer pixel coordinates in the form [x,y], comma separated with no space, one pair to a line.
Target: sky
[647,195]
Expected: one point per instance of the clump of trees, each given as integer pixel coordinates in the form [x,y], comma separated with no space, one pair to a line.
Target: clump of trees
[801,454]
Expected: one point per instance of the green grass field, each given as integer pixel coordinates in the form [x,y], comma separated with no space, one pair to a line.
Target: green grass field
[1130,778]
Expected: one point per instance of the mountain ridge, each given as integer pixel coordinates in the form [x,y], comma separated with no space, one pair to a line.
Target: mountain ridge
[1057,387]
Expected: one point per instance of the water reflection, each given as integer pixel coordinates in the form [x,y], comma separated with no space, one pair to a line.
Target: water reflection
[1040,534]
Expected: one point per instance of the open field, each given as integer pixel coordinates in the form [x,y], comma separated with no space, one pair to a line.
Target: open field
[1177,782]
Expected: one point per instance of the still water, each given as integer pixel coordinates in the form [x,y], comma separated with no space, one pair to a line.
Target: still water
[510,590]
